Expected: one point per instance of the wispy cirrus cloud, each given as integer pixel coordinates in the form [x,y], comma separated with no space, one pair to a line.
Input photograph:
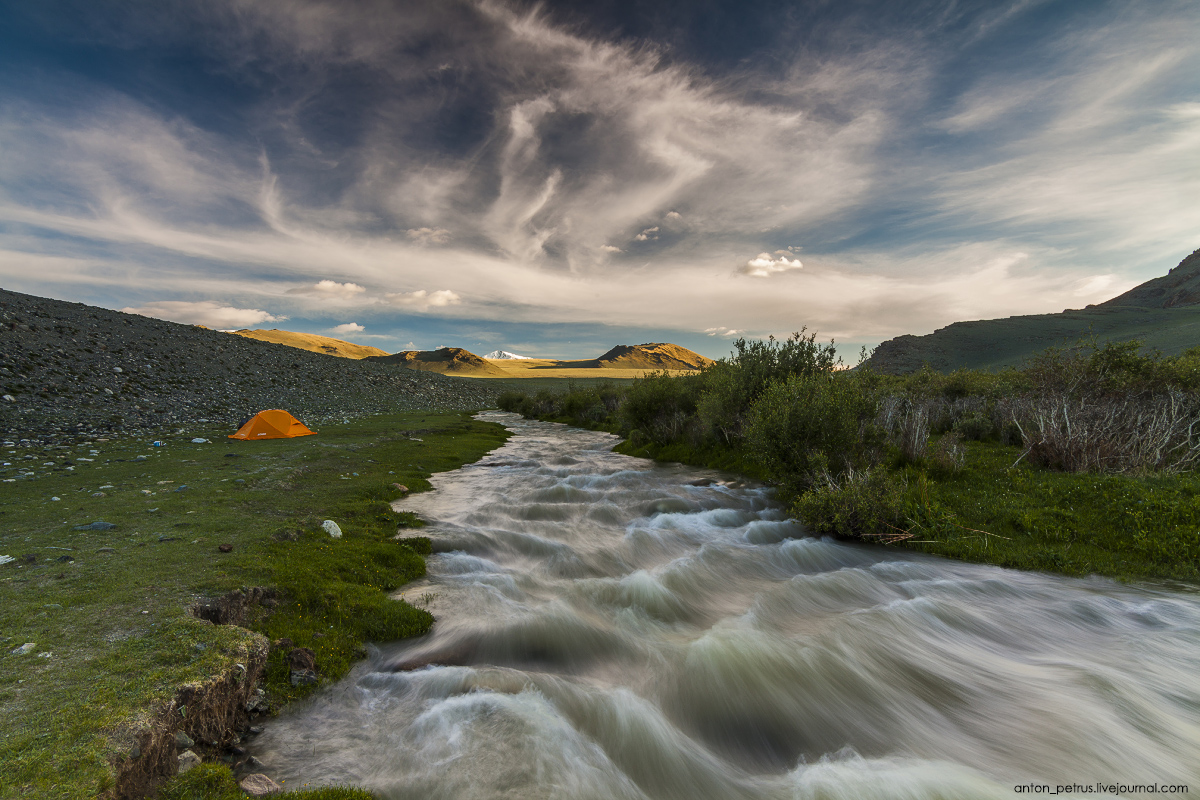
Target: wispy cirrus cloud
[204,312]
[540,172]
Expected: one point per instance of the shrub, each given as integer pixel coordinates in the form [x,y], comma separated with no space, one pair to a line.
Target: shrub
[864,504]
[814,424]
[906,423]
[733,385]
[659,407]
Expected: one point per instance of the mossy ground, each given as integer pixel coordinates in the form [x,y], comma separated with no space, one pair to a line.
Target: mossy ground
[1129,527]
[112,630]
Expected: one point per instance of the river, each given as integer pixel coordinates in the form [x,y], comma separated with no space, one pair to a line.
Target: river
[608,627]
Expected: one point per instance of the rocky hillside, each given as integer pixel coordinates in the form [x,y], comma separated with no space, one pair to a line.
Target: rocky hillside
[313,343]
[1163,313]
[1179,287]
[653,355]
[68,368]
[445,360]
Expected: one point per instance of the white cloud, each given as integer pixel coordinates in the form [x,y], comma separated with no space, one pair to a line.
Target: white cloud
[721,331]
[205,312]
[648,234]
[330,289]
[763,266]
[347,327]
[674,215]
[428,236]
[422,299]
[608,248]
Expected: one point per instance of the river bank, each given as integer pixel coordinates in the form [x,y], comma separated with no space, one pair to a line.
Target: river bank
[107,609]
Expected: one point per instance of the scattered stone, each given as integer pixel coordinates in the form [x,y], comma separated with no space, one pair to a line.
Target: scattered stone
[168,539]
[135,752]
[304,677]
[55,499]
[52,605]
[99,494]
[187,760]
[332,529]
[107,550]
[254,763]
[199,440]
[400,487]
[258,703]
[225,548]
[28,647]
[64,559]
[183,741]
[183,488]
[259,785]
[98,525]
[239,480]
[301,658]
[283,644]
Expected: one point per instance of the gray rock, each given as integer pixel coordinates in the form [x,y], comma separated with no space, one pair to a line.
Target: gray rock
[98,525]
[107,550]
[187,760]
[28,647]
[304,677]
[183,741]
[259,785]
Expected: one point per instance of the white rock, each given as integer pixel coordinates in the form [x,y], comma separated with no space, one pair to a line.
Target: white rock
[332,529]
[199,440]
[8,398]
[6,559]
[259,785]
[187,760]
[28,647]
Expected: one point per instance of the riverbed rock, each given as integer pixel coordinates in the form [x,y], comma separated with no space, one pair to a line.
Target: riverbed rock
[259,785]
[187,760]
[304,677]
[302,658]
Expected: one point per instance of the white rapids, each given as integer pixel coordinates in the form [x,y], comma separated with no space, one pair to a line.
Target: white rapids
[608,627]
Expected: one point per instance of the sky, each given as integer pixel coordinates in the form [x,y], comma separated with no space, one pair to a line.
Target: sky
[558,178]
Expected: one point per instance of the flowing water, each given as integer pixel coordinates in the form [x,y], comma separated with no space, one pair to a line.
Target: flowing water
[612,628]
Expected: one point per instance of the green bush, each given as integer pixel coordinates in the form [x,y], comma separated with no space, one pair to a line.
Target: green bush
[661,408]
[866,504]
[732,385]
[812,424]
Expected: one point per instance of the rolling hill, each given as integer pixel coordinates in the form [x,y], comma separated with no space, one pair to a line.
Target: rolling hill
[445,360]
[1164,313]
[313,343]
[653,355]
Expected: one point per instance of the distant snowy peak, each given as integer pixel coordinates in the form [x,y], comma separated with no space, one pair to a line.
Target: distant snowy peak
[495,354]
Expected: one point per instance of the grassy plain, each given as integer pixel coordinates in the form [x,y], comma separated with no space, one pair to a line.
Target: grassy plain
[535,368]
[107,611]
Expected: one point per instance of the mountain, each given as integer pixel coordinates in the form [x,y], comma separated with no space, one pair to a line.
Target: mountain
[1163,313]
[653,355]
[504,355]
[313,343]
[446,360]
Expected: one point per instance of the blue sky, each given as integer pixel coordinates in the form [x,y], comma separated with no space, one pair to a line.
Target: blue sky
[558,178]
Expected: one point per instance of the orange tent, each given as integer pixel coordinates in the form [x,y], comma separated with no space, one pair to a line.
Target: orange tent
[273,424]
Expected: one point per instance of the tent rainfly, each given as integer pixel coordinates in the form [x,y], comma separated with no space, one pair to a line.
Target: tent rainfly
[273,424]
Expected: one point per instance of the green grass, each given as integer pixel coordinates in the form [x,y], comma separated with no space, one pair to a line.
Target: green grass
[1121,526]
[113,632]
[216,782]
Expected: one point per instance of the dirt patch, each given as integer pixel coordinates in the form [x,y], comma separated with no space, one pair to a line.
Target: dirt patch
[212,714]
